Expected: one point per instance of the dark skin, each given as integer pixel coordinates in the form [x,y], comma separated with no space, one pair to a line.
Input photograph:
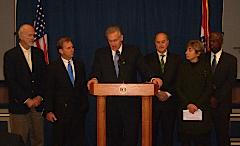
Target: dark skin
[215,42]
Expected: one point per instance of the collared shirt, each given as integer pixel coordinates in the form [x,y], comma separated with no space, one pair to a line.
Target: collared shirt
[114,52]
[27,55]
[160,56]
[164,60]
[218,55]
[65,61]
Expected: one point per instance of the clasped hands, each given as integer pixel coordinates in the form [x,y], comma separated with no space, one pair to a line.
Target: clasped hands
[192,108]
[162,95]
[35,102]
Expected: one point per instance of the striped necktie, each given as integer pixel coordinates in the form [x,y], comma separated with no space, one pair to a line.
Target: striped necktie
[162,63]
[116,58]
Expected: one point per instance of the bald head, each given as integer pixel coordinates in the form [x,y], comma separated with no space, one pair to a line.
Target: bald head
[162,34]
[161,42]
[26,34]
[24,28]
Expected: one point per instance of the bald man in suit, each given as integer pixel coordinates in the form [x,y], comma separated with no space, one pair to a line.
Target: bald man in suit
[224,70]
[165,65]
[24,69]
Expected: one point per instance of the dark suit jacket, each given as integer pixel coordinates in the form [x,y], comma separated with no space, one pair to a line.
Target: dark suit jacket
[23,83]
[169,76]
[131,62]
[224,77]
[62,98]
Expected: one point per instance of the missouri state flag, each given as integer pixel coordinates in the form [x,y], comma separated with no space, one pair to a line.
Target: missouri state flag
[205,25]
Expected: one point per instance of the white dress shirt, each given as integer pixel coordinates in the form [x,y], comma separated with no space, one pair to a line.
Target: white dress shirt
[218,55]
[28,56]
[114,52]
[164,60]
[65,61]
[160,56]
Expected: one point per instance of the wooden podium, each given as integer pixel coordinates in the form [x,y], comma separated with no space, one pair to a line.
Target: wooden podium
[144,90]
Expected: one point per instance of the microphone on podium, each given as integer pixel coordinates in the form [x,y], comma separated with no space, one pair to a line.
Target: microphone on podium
[121,62]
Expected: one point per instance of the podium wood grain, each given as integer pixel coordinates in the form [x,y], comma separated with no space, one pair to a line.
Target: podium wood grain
[104,90]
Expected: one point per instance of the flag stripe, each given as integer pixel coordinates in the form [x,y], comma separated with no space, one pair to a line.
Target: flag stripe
[205,24]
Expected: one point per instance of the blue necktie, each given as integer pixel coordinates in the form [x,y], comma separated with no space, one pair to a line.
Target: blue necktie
[70,72]
[116,58]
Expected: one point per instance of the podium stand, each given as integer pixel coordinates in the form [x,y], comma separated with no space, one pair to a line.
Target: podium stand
[144,90]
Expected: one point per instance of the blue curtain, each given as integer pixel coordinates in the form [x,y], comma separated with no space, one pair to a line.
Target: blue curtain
[85,21]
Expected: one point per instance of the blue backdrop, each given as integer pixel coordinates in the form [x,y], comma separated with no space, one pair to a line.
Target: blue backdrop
[85,21]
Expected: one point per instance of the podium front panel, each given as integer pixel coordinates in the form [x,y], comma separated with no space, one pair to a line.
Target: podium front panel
[123,89]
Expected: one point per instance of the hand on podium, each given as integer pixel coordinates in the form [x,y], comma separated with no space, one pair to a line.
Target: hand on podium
[92,81]
[157,81]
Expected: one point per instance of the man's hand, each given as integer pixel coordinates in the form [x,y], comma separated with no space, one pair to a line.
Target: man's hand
[37,101]
[29,102]
[162,95]
[192,108]
[51,117]
[157,81]
[92,81]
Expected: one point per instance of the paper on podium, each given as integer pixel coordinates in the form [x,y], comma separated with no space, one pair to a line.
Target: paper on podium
[197,116]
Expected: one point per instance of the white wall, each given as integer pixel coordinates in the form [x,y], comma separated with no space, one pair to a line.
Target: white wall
[7,28]
[231,29]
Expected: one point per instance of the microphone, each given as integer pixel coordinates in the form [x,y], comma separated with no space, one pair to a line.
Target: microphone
[118,53]
[121,62]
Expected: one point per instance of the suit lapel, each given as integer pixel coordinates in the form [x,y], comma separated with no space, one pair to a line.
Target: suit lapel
[169,62]
[110,63]
[23,60]
[65,72]
[219,64]
[34,59]
[157,64]
[122,68]
[77,71]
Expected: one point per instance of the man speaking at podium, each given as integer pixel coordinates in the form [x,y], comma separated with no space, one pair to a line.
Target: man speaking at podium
[120,63]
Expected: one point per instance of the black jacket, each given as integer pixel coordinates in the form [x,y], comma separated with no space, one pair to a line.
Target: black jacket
[21,82]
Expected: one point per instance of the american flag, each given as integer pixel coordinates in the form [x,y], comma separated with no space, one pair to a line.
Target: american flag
[40,28]
[205,25]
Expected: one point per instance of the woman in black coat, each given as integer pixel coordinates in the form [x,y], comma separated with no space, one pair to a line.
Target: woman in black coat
[194,90]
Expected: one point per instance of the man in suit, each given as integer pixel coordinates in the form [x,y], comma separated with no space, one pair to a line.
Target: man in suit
[119,63]
[224,70]
[66,96]
[165,65]
[24,67]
